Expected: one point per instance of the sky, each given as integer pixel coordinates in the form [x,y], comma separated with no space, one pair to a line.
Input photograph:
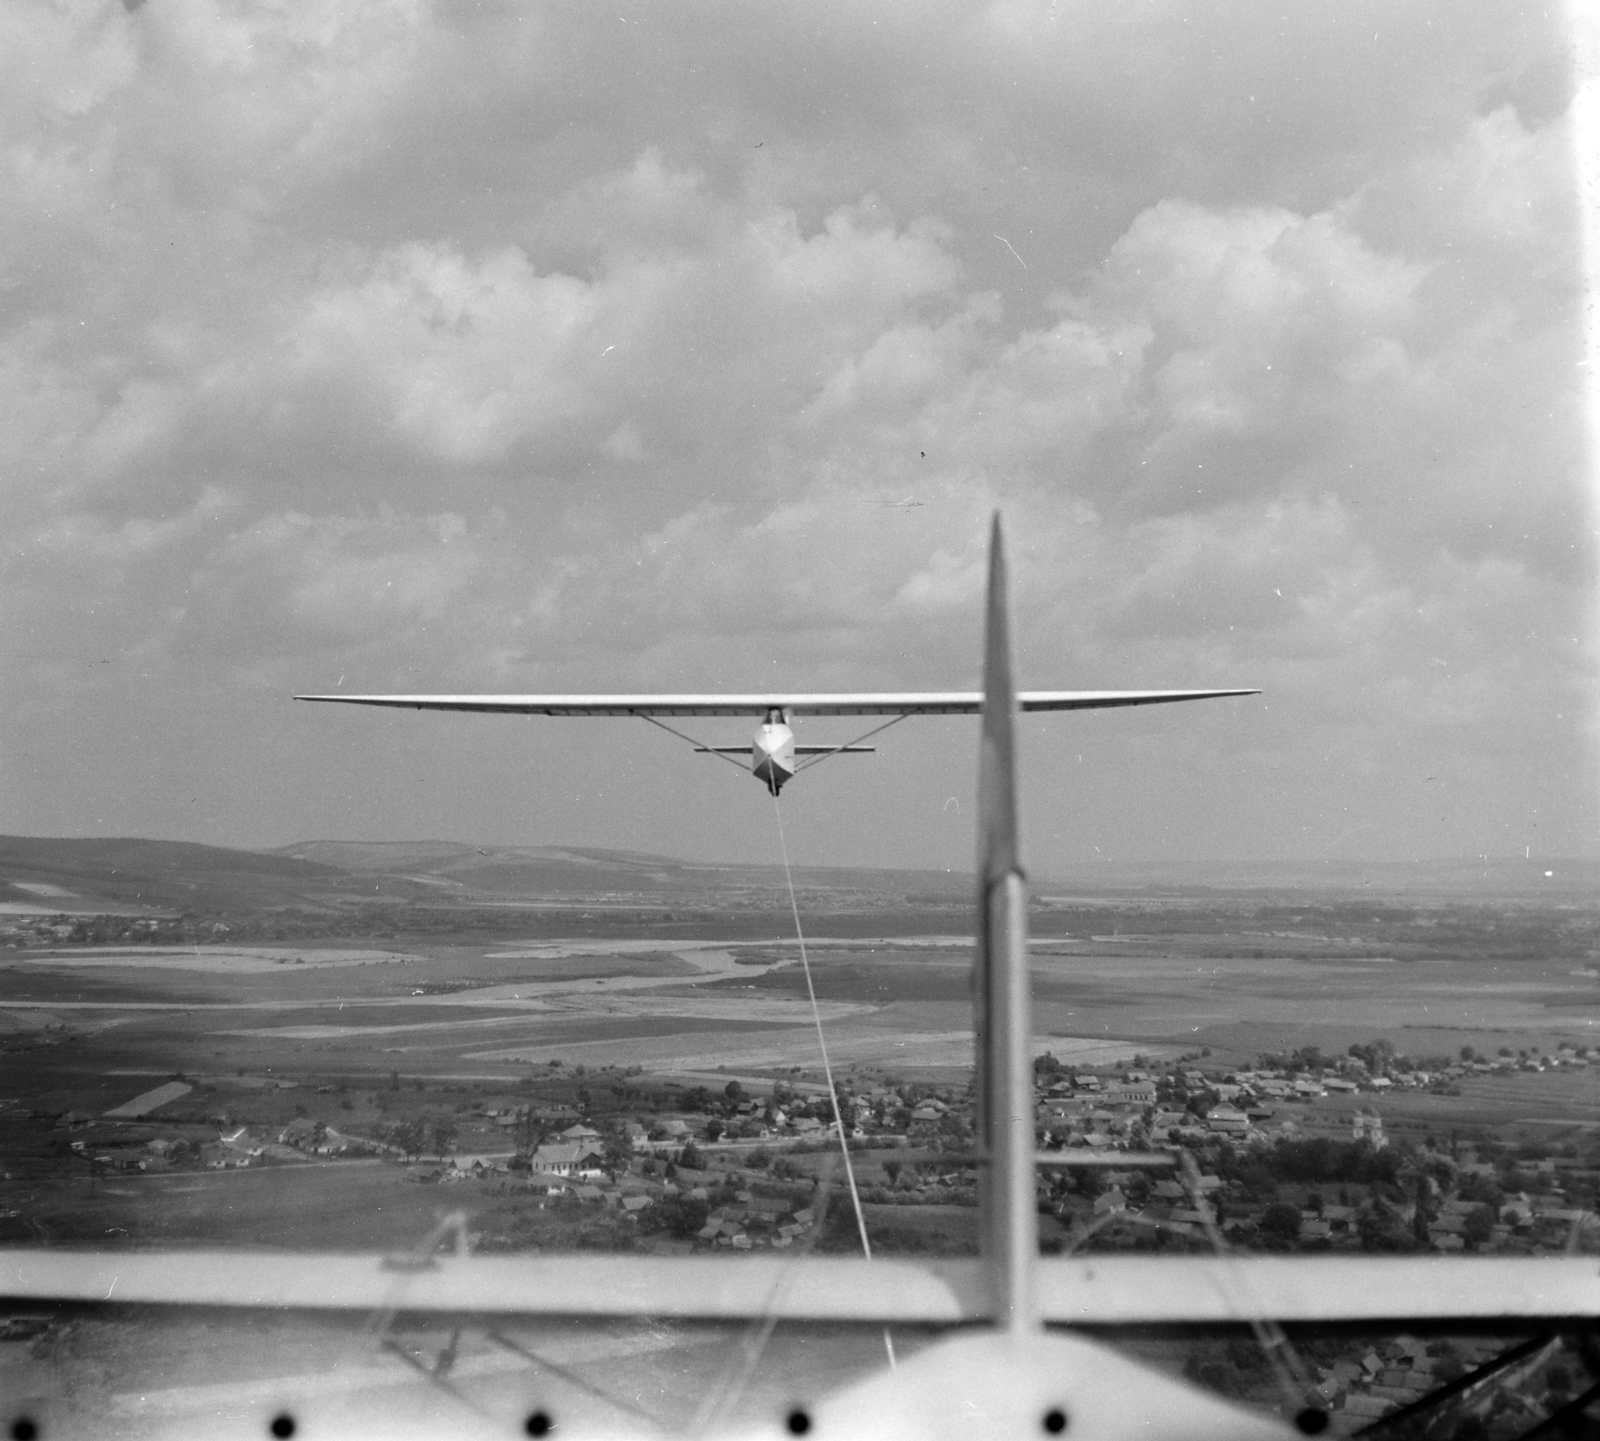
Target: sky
[443,347]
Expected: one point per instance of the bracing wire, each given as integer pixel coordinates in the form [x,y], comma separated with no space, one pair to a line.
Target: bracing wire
[720,1400]
[828,755]
[827,1065]
[1289,1371]
[709,750]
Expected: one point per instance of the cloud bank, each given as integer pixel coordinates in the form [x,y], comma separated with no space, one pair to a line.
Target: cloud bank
[425,347]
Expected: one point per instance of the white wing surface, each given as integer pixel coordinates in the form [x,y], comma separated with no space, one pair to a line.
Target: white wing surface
[793,703]
[1099,1292]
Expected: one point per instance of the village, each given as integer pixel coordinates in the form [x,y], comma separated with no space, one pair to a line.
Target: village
[1294,1153]
[1285,1161]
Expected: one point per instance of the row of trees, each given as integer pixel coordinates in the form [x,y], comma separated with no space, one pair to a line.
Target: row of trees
[418,1135]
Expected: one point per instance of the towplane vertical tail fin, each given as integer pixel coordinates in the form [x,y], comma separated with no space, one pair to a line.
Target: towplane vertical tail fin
[1003,1026]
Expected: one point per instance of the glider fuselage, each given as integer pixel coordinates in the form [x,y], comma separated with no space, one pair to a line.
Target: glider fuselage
[772,751]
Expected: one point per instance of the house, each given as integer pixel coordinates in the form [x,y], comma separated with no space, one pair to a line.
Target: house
[568,1158]
[1225,1118]
[241,1140]
[583,1133]
[1111,1202]
[480,1161]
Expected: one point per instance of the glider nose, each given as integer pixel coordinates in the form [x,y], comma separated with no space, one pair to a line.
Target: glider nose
[771,771]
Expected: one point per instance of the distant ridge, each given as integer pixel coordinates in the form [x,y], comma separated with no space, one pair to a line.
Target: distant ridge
[591,870]
[89,875]
[95,873]
[1465,878]
[84,875]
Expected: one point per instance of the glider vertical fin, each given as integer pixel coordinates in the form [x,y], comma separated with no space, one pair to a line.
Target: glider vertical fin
[1008,1218]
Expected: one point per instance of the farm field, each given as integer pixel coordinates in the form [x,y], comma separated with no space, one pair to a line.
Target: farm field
[693,1005]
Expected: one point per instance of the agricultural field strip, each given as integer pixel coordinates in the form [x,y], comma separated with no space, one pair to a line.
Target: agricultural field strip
[711,962]
[785,1048]
[221,960]
[151,1100]
[768,1009]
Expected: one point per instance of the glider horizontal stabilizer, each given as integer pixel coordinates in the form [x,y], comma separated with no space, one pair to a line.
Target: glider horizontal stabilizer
[744,750]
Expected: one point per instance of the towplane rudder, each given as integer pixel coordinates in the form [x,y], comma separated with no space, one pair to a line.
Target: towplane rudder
[1003,1024]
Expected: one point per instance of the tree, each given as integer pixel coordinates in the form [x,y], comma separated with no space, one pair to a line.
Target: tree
[690,1158]
[1478,1225]
[528,1133]
[441,1133]
[1280,1221]
[1381,1230]
[733,1091]
[1481,1189]
[410,1136]
[679,1216]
